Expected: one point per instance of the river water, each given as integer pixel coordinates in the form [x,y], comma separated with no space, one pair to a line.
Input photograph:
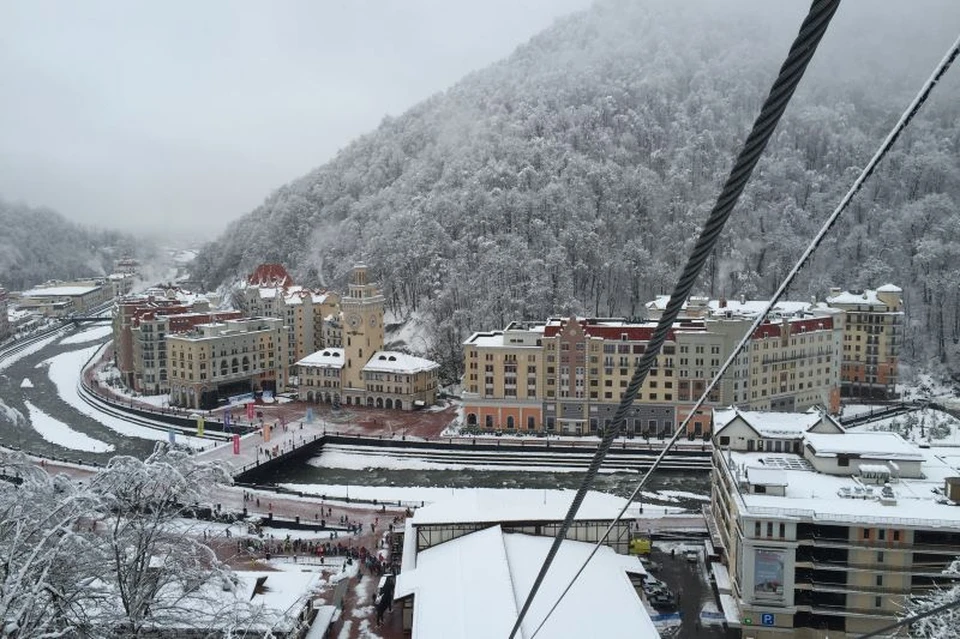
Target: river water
[44,395]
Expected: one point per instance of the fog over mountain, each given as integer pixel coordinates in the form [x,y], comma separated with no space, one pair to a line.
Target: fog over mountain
[573,176]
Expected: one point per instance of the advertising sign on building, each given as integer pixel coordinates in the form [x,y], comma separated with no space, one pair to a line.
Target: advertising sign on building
[768,573]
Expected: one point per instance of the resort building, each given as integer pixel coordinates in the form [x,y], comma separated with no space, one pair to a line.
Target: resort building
[233,357]
[872,337]
[58,299]
[822,531]
[361,373]
[567,376]
[270,292]
[128,312]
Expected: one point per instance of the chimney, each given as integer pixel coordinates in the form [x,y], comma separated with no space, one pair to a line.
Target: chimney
[743,299]
[723,301]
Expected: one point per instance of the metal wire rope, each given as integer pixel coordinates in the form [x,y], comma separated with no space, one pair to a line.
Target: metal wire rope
[865,173]
[801,52]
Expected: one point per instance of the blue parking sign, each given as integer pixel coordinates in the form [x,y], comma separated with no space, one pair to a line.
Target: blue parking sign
[766,619]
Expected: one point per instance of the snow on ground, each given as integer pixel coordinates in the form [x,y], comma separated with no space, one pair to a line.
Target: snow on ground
[59,433]
[679,494]
[96,333]
[925,425]
[64,371]
[849,410]
[29,350]
[26,383]
[925,386]
[354,461]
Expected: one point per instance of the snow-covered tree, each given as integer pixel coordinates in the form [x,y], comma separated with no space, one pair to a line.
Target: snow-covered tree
[942,625]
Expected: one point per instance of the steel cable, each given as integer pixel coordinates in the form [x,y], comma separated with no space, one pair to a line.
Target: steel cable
[801,52]
[865,173]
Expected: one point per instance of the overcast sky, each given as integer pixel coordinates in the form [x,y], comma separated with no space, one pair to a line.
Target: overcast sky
[180,116]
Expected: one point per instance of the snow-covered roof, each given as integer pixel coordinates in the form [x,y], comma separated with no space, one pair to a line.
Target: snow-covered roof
[765,476]
[867,297]
[865,445]
[489,506]
[768,423]
[396,362]
[473,587]
[844,499]
[61,291]
[750,308]
[327,358]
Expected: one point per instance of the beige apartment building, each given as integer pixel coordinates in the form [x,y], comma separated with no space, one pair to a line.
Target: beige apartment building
[270,292]
[821,531]
[361,373]
[567,376]
[873,335]
[221,359]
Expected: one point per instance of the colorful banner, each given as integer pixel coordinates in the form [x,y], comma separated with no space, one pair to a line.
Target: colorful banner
[309,415]
[236,444]
[227,417]
[172,436]
[266,432]
[200,423]
[250,410]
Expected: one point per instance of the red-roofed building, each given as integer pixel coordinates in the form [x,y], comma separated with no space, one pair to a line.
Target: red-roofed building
[270,275]
[567,375]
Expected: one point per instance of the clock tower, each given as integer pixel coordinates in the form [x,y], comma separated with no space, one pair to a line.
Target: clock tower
[362,309]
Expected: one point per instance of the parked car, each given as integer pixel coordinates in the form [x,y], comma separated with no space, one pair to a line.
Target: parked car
[663,600]
[693,556]
[649,565]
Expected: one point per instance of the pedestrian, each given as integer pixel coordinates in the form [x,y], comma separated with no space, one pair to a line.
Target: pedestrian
[258,502]
[270,506]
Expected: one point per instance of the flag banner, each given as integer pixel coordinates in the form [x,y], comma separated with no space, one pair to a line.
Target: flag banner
[250,410]
[226,420]
[236,444]
[200,426]
[266,432]
[309,415]
[172,436]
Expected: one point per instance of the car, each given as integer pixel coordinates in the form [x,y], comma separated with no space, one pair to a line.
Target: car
[663,600]
[653,586]
[693,556]
[649,565]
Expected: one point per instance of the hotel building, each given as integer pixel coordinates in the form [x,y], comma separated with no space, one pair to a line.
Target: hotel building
[872,337]
[821,531]
[226,358]
[567,376]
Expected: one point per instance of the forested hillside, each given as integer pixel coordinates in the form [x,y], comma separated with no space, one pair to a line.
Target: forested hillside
[574,175]
[38,244]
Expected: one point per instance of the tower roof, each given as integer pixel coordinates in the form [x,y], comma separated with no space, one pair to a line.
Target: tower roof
[270,275]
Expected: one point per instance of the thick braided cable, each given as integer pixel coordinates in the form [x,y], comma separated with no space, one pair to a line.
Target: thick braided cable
[865,173]
[801,52]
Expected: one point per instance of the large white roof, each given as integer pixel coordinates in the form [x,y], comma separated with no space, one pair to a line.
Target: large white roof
[866,445]
[866,297]
[395,362]
[61,291]
[472,587]
[327,358]
[493,506]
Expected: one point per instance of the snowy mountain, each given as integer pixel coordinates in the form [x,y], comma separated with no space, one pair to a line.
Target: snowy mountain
[39,244]
[573,175]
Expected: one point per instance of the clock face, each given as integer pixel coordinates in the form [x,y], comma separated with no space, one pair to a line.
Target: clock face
[353,320]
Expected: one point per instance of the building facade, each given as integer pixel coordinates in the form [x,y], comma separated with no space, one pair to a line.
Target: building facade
[270,292]
[4,318]
[567,376]
[361,373]
[823,532]
[873,335]
[221,359]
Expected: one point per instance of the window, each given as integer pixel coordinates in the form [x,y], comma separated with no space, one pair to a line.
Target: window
[881,534]
[756,529]
[896,535]
[879,580]
[878,602]
[724,440]
[783,531]
[866,533]
[769,529]
[880,557]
